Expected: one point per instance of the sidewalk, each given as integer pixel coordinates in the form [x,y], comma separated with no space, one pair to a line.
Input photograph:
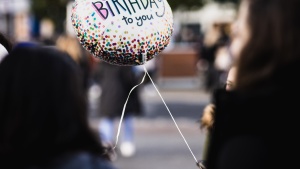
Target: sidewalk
[159,144]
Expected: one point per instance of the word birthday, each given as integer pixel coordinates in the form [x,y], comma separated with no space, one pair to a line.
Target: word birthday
[117,7]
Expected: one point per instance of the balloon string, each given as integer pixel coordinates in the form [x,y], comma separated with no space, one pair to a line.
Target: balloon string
[123,111]
[171,116]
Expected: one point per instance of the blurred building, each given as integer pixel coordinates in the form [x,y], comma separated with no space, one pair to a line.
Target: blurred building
[199,21]
[178,63]
[15,19]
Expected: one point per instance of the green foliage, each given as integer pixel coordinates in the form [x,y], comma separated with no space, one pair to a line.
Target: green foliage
[52,9]
[56,9]
[192,4]
[234,1]
[188,4]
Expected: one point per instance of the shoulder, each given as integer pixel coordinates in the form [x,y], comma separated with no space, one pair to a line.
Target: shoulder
[245,152]
[83,160]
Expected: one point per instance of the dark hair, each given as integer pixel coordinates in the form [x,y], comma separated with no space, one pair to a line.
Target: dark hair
[274,41]
[43,108]
[4,41]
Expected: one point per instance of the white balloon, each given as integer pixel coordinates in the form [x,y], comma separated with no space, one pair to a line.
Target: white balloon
[123,32]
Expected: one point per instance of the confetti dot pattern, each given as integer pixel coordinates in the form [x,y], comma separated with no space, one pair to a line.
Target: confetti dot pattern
[121,32]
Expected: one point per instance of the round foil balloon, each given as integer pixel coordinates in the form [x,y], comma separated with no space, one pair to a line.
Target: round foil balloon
[123,32]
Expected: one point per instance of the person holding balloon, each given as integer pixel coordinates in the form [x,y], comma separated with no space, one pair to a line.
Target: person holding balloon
[256,123]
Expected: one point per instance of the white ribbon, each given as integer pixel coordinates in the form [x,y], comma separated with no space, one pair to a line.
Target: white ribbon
[122,116]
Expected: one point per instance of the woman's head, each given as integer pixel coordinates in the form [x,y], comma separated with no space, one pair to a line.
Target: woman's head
[70,45]
[43,111]
[272,28]
[230,81]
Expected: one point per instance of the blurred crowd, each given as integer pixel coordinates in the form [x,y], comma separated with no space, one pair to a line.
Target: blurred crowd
[249,66]
[215,57]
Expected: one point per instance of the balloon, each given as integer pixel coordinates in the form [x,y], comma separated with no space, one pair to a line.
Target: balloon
[123,32]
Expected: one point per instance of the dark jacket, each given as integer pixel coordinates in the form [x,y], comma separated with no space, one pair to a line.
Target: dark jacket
[79,161]
[116,83]
[258,129]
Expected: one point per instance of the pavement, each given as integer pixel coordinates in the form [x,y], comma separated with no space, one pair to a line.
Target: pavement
[164,139]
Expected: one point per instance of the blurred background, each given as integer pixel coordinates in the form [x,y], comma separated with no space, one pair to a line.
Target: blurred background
[195,62]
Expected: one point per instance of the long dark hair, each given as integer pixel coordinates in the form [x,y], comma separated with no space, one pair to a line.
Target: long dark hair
[43,108]
[274,41]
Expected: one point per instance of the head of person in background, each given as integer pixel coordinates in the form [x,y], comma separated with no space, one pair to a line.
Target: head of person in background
[5,46]
[43,111]
[71,45]
[269,38]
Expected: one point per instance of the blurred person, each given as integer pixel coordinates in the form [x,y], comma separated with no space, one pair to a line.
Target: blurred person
[43,113]
[116,83]
[214,39]
[47,32]
[223,55]
[207,118]
[256,123]
[71,45]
